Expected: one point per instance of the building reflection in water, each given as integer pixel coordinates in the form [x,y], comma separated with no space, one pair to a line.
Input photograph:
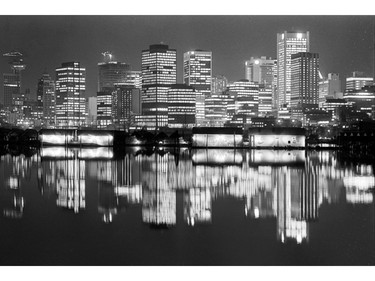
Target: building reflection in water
[119,185]
[289,186]
[63,173]
[17,170]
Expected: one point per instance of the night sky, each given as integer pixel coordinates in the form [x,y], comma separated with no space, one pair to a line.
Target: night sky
[345,43]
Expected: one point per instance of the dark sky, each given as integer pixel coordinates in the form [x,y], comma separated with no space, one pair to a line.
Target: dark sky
[345,43]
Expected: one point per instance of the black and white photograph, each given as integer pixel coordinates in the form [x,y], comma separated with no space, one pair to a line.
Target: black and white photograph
[187,137]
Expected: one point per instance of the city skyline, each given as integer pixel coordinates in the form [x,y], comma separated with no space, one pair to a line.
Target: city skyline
[346,45]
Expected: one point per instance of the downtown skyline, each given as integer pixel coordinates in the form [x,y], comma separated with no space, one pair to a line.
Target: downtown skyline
[346,45]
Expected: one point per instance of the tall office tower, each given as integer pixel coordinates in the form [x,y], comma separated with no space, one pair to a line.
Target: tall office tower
[70,100]
[198,73]
[12,81]
[111,72]
[357,81]
[125,105]
[104,107]
[46,99]
[245,97]
[288,43]
[260,70]
[329,88]
[304,82]
[159,72]
[133,78]
[219,84]
[265,100]
[181,106]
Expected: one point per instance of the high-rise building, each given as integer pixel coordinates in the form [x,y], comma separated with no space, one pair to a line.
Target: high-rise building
[111,72]
[219,84]
[70,100]
[329,88]
[357,81]
[46,99]
[181,106]
[260,70]
[243,100]
[304,82]
[104,107]
[198,73]
[288,43]
[125,105]
[265,100]
[12,81]
[159,72]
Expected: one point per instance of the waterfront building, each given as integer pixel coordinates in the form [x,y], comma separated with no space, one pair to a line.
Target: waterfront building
[217,137]
[304,82]
[363,99]
[159,72]
[198,73]
[288,43]
[181,106]
[277,137]
[70,91]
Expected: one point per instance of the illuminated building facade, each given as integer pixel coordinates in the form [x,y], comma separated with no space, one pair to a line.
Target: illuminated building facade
[277,137]
[112,72]
[104,107]
[288,43]
[219,84]
[260,70]
[217,137]
[329,88]
[125,104]
[181,106]
[304,82]
[265,100]
[363,100]
[334,106]
[357,81]
[70,100]
[216,109]
[46,99]
[198,73]
[243,100]
[159,72]
[12,81]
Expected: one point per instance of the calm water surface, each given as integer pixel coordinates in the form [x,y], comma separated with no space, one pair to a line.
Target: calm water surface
[189,207]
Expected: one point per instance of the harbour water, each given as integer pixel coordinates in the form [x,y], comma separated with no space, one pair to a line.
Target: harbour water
[97,206]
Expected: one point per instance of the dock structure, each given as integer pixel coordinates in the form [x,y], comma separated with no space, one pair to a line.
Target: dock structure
[277,137]
[217,137]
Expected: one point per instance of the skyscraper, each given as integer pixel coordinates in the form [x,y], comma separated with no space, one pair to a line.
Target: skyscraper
[304,82]
[46,99]
[12,81]
[125,99]
[159,72]
[70,100]
[288,43]
[111,72]
[260,70]
[198,73]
